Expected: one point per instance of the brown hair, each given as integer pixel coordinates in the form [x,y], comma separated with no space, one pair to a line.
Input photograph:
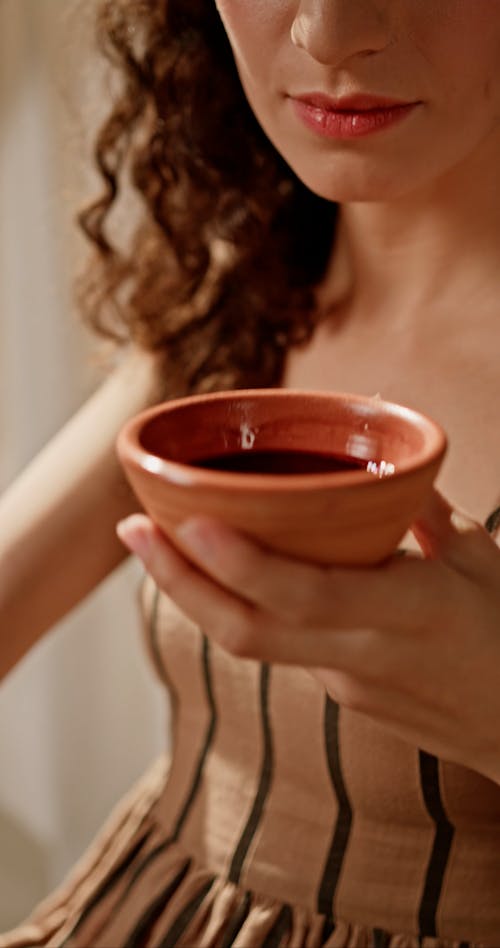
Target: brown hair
[220,270]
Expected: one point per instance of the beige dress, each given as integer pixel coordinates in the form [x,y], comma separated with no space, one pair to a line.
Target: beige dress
[281,820]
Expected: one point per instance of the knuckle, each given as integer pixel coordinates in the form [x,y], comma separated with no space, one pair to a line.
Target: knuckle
[351,695]
[445,599]
[168,575]
[465,526]
[240,569]
[237,636]
[310,598]
[297,609]
[353,701]
[470,548]
[341,611]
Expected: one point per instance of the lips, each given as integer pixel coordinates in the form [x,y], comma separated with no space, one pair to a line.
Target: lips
[348,117]
[352,103]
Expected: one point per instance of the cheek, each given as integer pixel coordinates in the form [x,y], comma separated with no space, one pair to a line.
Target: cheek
[256,29]
[463,46]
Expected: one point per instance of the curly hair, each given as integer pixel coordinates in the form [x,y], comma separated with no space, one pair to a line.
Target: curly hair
[220,269]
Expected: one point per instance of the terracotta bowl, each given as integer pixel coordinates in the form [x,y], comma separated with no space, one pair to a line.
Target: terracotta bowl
[355,516]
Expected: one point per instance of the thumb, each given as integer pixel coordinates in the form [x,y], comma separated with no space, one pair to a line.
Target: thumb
[447,533]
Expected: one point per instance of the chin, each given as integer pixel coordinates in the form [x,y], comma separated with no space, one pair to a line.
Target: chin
[348,191]
[349,181]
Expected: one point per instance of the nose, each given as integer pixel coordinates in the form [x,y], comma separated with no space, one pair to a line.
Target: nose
[333,31]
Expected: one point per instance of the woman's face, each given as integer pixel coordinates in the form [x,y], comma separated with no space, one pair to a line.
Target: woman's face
[438,60]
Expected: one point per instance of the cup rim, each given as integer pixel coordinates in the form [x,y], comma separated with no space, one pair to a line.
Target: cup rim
[188,475]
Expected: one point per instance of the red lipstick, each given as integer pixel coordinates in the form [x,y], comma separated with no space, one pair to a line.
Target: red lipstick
[349,117]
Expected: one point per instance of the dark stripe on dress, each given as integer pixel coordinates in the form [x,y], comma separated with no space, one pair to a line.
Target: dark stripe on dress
[153,637]
[108,884]
[343,823]
[493,521]
[188,802]
[328,929]
[207,744]
[183,919]
[124,864]
[209,736]
[282,926]
[236,922]
[162,847]
[138,871]
[264,783]
[443,838]
[381,939]
[142,929]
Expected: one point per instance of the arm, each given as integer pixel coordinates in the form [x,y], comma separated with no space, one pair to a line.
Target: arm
[57,520]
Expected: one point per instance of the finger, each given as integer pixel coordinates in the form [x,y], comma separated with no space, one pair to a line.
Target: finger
[447,533]
[391,595]
[235,624]
[205,602]
[351,691]
[285,587]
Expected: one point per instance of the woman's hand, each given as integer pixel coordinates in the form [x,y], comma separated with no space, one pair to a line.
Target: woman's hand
[413,643]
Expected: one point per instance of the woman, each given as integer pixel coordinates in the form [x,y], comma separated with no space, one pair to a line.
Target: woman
[322,212]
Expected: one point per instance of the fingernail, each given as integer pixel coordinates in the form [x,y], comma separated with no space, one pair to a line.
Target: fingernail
[195,539]
[135,537]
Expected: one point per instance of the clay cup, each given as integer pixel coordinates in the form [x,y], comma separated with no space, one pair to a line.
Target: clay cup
[351,517]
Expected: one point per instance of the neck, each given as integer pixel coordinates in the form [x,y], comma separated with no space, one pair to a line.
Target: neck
[431,245]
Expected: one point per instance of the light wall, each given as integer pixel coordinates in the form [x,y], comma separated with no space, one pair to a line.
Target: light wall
[81,717]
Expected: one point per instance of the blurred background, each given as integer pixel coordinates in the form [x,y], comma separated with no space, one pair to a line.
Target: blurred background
[81,717]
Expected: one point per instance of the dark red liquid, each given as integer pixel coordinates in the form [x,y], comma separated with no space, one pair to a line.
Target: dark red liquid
[280,462]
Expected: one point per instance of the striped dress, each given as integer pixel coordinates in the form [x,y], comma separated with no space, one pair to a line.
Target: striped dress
[281,820]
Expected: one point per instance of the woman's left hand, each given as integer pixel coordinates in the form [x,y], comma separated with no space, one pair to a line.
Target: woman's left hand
[413,643]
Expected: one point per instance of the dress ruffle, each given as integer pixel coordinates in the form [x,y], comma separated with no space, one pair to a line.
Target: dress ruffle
[136,888]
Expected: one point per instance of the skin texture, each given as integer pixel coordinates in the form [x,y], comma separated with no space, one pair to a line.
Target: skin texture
[443,55]
[417,253]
